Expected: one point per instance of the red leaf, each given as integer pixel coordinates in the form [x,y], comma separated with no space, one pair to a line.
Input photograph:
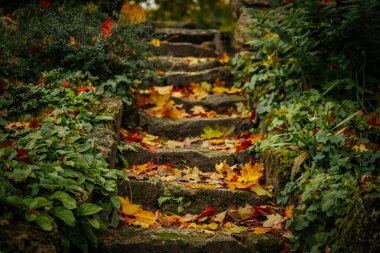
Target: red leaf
[66,84]
[82,89]
[23,155]
[44,3]
[316,130]
[152,148]
[244,145]
[330,118]
[208,212]
[34,123]
[106,27]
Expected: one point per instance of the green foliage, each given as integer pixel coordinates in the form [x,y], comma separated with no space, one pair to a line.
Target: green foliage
[168,201]
[50,167]
[305,45]
[71,38]
[340,147]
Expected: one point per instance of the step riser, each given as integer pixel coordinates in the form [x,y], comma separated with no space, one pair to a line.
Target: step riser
[185,50]
[191,67]
[204,160]
[204,76]
[182,128]
[138,240]
[194,36]
[219,103]
[146,194]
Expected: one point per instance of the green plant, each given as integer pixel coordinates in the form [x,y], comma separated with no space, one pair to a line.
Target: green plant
[167,199]
[49,167]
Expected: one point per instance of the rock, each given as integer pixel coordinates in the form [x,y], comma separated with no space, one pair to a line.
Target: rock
[220,103]
[136,240]
[190,64]
[359,230]
[241,38]
[194,201]
[239,5]
[195,36]
[29,238]
[106,139]
[208,75]
[203,158]
[188,127]
[278,166]
[185,49]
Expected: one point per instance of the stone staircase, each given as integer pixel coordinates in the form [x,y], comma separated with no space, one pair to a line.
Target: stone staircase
[204,47]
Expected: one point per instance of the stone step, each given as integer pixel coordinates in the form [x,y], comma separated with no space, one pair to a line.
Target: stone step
[195,155]
[194,201]
[195,36]
[178,78]
[189,127]
[187,64]
[137,240]
[184,49]
[220,103]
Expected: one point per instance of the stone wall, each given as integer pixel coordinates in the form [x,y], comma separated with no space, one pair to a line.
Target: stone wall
[239,8]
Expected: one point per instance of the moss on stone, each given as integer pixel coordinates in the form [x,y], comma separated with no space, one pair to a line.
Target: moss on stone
[278,165]
[359,230]
[264,243]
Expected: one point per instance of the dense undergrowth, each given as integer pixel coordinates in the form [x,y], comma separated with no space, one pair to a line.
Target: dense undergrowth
[312,79]
[56,63]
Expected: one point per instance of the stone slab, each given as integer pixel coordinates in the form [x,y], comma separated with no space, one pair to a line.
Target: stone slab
[194,201]
[189,127]
[185,49]
[137,240]
[196,36]
[178,78]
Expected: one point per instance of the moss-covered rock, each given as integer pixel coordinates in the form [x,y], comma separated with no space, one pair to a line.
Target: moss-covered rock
[359,230]
[278,167]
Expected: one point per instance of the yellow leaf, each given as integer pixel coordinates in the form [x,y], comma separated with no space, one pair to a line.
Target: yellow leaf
[240,185]
[246,212]
[198,110]
[212,133]
[200,186]
[145,219]
[274,221]
[73,42]
[225,59]
[217,141]
[261,230]
[155,42]
[259,190]
[212,226]
[127,207]
[235,230]
[251,173]
[131,12]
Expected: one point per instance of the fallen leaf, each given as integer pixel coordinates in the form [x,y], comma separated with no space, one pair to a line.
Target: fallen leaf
[208,212]
[289,211]
[274,221]
[261,230]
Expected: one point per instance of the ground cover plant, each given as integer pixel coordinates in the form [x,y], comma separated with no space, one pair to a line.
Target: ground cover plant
[312,85]
[57,62]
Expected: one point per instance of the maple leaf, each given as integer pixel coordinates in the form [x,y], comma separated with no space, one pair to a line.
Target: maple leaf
[208,212]
[225,59]
[251,173]
[73,42]
[127,207]
[132,12]
[246,212]
[155,42]
[289,211]
[142,168]
[44,3]
[274,221]
[23,155]
[66,84]
[259,190]
[224,168]
[212,133]
[260,230]
[106,27]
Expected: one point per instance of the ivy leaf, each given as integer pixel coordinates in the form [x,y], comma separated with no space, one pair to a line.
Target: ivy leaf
[86,209]
[64,214]
[103,118]
[66,200]
[45,222]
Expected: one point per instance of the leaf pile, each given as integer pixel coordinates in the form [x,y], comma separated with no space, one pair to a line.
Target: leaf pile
[255,220]
[245,177]
[215,138]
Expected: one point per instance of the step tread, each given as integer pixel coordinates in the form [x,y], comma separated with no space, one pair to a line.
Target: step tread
[184,241]
[203,158]
[187,127]
[147,191]
[190,63]
[185,49]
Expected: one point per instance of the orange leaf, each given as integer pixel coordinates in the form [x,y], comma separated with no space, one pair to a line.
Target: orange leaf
[288,211]
[261,230]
